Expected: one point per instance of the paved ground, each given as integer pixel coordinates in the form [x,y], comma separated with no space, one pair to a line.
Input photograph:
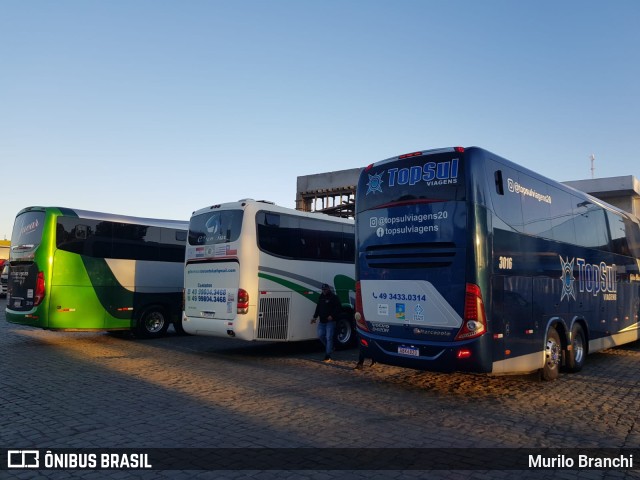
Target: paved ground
[96,390]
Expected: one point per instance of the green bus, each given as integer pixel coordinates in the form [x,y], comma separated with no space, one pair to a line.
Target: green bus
[76,270]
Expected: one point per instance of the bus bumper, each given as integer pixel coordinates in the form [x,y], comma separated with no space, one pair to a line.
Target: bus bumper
[466,356]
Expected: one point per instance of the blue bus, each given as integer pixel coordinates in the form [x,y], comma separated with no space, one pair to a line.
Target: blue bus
[468,262]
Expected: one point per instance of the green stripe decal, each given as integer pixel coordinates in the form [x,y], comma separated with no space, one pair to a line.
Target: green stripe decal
[342,284]
[304,291]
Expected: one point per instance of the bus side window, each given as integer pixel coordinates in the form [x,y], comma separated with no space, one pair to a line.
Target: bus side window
[590,224]
[562,228]
[348,246]
[506,203]
[633,235]
[81,232]
[271,219]
[279,234]
[499,184]
[617,228]
[536,207]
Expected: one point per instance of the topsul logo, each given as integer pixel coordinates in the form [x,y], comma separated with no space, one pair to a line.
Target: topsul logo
[596,278]
[431,173]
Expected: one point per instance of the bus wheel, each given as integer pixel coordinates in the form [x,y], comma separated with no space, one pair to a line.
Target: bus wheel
[152,323]
[345,334]
[552,355]
[578,352]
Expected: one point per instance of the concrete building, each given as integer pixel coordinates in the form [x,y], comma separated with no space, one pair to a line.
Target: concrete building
[622,192]
[332,192]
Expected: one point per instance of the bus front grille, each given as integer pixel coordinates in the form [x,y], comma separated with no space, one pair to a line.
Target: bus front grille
[273,318]
[411,255]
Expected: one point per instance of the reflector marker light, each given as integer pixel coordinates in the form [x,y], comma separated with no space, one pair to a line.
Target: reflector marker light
[464,353]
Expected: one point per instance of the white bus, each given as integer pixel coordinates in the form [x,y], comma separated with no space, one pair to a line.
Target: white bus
[253,271]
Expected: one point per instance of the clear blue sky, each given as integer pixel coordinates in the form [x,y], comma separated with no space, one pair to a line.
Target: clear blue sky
[156,108]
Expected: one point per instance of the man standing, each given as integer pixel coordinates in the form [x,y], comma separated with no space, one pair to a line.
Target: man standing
[327,310]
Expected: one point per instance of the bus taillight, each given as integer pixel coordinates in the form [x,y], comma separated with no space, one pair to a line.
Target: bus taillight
[359,315]
[409,155]
[243,301]
[475,320]
[39,295]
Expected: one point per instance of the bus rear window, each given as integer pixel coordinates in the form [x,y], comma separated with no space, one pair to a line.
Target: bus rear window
[213,227]
[425,178]
[27,231]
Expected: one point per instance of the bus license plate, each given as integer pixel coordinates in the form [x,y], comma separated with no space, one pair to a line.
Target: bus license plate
[412,352]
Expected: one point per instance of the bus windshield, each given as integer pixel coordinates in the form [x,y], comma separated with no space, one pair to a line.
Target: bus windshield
[422,177]
[215,227]
[27,231]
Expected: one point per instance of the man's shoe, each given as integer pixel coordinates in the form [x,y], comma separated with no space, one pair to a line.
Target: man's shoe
[358,366]
[327,359]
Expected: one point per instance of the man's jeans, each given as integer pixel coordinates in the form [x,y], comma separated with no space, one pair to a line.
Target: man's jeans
[325,334]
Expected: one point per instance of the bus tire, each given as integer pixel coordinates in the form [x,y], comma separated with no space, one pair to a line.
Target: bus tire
[345,332]
[152,323]
[576,356]
[552,355]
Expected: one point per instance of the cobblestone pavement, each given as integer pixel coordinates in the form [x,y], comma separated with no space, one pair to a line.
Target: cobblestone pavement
[97,390]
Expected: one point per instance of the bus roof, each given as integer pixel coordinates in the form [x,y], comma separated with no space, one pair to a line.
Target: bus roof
[112,217]
[266,205]
[513,165]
